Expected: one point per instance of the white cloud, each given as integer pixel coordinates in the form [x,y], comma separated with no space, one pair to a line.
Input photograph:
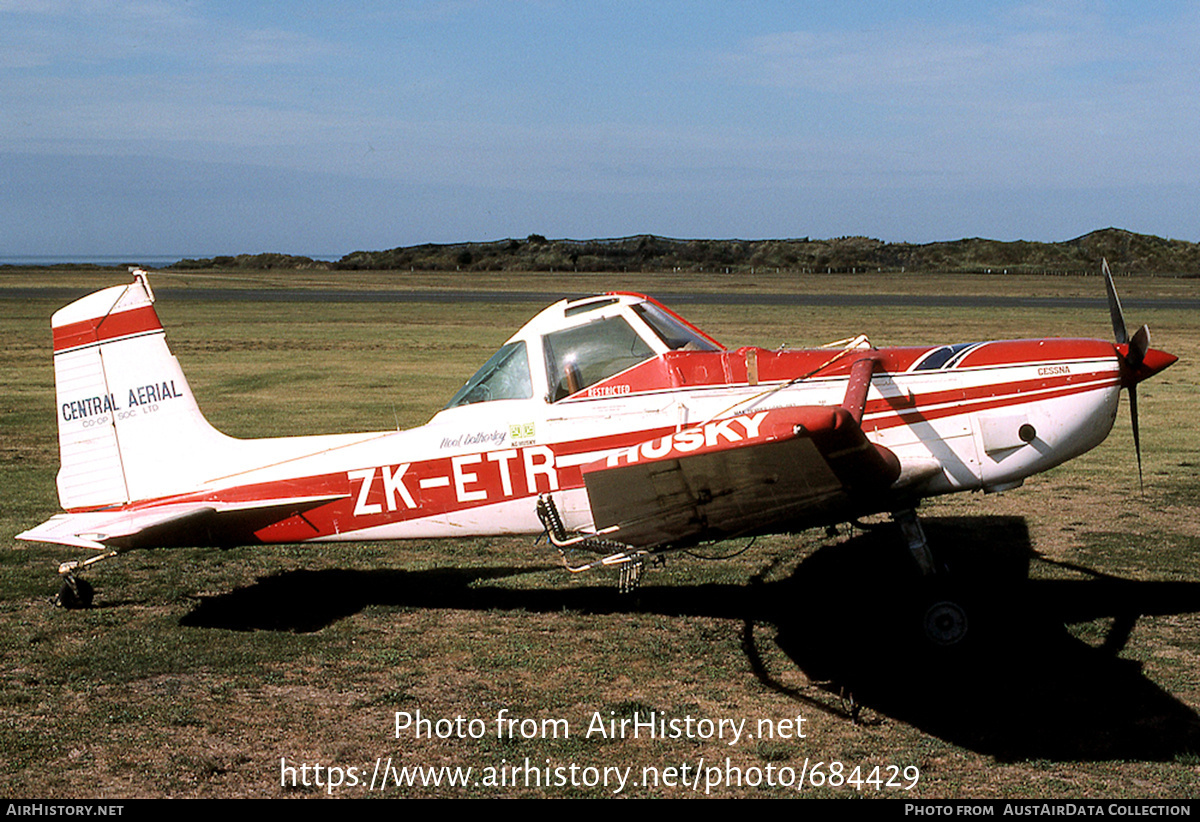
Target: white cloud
[138,36]
[1044,94]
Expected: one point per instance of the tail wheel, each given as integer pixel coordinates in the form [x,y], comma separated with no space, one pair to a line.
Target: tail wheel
[75,593]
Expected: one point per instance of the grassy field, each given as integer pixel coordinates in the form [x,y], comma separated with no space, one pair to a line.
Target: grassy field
[200,670]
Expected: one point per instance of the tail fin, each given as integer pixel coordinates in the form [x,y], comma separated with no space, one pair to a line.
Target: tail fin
[128,426]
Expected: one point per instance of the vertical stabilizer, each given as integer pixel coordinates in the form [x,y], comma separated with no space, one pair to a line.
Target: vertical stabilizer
[128,425]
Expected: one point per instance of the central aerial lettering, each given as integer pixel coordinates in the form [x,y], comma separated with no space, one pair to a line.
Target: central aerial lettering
[107,403]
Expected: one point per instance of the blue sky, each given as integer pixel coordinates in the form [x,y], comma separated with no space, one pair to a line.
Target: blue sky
[165,126]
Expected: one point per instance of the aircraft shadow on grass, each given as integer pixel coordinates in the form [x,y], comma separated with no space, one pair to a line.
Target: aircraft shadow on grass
[849,617]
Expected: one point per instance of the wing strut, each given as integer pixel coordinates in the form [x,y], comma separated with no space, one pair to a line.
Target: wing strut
[860,383]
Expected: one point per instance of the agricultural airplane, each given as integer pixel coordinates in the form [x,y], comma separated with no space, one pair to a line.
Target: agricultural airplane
[609,423]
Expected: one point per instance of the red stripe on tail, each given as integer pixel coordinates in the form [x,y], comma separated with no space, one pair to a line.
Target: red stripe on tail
[103,329]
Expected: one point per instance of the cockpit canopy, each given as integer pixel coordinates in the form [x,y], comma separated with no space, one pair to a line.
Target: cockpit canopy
[574,344]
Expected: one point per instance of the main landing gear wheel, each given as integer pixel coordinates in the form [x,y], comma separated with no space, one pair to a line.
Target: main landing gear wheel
[945,624]
[75,593]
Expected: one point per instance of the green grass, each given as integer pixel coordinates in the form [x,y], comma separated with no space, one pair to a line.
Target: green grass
[200,668]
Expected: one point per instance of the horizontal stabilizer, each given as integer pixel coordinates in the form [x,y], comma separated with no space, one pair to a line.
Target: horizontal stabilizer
[172,525]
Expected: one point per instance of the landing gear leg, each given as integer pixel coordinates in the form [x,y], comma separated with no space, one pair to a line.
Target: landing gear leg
[914,535]
[944,621]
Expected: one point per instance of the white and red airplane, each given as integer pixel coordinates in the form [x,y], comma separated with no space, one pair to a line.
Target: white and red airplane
[608,422]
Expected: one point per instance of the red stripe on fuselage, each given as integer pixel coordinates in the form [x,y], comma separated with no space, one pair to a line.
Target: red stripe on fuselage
[926,412]
[968,399]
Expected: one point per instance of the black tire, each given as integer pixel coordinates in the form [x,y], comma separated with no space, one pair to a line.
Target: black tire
[75,596]
[945,624]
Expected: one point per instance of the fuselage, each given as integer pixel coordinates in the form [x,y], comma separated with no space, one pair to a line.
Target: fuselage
[974,416]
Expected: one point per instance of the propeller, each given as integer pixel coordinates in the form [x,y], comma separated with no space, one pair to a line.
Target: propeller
[1132,359]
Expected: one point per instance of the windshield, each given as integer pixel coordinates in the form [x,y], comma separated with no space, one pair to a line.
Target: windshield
[504,377]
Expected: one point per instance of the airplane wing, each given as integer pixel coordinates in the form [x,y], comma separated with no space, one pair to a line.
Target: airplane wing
[752,473]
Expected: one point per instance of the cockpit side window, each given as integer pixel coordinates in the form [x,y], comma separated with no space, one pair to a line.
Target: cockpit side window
[585,355]
[671,331]
[503,377]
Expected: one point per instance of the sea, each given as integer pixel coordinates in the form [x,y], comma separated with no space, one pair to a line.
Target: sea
[118,260]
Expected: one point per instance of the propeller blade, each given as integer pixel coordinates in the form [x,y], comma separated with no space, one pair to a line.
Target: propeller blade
[1137,441]
[1139,344]
[1131,361]
[1114,306]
